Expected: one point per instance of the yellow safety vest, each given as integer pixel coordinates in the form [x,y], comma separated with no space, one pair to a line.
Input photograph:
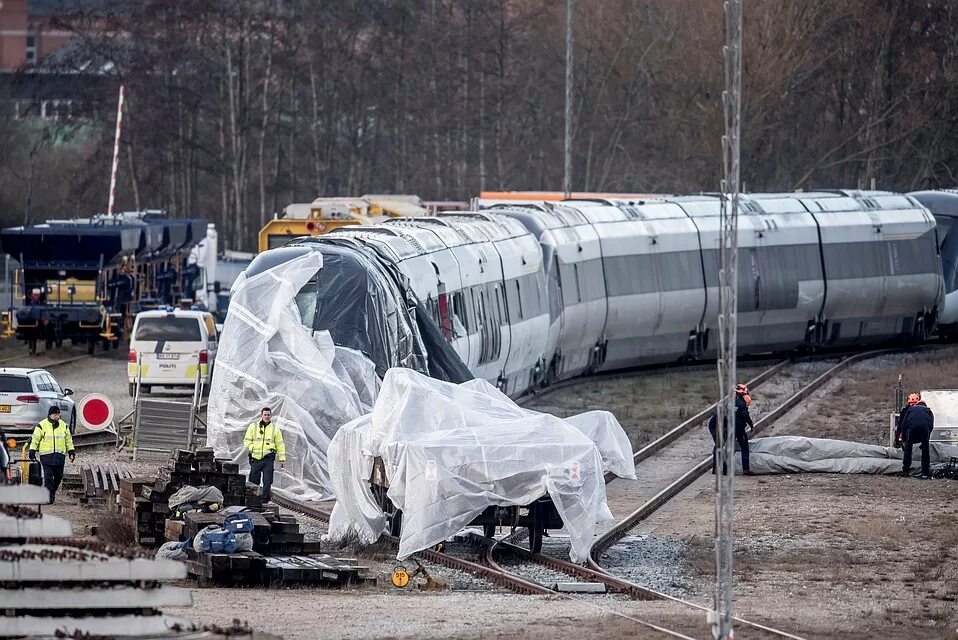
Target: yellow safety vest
[51,438]
[265,440]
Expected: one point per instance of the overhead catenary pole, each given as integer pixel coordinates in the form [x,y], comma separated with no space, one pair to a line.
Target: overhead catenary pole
[116,152]
[728,321]
[567,148]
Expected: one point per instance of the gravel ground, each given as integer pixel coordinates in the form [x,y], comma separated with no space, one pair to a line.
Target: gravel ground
[651,561]
[667,465]
[834,556]
[809,557]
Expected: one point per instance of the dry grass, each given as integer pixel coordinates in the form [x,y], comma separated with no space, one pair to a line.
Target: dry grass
[647,406]
[379,550]
[860,403]
[113,530]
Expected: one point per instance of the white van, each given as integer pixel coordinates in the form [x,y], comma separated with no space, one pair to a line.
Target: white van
[168,346]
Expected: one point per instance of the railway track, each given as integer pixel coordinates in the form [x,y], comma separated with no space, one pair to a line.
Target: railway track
[525,572]
[684,477]
[485,568]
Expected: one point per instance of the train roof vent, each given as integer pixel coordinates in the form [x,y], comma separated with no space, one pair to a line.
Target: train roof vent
[632,211]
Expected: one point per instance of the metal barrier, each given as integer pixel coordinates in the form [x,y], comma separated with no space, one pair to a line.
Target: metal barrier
[162,424]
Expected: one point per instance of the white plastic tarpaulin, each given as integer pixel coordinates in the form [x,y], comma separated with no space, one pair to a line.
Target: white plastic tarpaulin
[795,454]
[450,451]
[267,357]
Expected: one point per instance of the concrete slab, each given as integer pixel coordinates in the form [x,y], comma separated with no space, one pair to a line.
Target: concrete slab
[23,494]
[106,626]
[91,598]
[43,527]
[80,566]
[579,587]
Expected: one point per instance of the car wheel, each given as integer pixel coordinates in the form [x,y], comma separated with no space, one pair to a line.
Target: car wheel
[145,388]
[132,389]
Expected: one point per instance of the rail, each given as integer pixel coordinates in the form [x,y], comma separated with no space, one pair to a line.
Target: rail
[489,571]
[657,501]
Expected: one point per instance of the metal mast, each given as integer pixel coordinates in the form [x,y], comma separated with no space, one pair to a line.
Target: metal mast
[567,172]
[728,321]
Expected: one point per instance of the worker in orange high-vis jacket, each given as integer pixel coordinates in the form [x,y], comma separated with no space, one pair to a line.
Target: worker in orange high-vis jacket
[264,441]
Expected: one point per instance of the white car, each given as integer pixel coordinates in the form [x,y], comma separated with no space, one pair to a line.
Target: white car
[26,396]
[167,347]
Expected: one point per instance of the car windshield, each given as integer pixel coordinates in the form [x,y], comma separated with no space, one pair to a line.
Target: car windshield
[168,328]
[15,384]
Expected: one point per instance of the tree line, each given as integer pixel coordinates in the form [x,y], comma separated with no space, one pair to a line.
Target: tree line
[236,108]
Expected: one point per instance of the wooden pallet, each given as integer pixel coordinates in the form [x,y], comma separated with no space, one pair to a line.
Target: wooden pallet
[318,570]
[102,481]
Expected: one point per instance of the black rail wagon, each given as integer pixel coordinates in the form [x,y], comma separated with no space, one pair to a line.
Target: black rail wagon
[84,280]
[64,279]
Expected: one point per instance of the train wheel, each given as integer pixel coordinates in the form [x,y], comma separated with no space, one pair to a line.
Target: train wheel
[535,539]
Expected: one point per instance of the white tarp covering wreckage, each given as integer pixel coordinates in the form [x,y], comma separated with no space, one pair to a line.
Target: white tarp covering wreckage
[450,451]
[485,449]
[268,358]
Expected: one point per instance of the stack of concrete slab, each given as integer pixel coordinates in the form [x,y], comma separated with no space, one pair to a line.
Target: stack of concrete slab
[52,582]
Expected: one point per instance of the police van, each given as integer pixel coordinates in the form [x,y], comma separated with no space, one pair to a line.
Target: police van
[167,347]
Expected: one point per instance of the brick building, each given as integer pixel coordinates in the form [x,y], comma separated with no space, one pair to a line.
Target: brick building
[28,32]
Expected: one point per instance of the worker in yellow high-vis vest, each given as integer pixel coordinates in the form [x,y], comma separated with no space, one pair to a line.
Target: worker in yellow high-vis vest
[52,439]
[264,441]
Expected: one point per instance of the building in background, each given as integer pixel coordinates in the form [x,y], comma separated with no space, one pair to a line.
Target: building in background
[28,30]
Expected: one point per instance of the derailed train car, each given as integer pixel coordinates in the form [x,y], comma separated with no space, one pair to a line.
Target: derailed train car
[525,294]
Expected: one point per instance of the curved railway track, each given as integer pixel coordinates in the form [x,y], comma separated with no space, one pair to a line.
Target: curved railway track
[673,488]
[486,569]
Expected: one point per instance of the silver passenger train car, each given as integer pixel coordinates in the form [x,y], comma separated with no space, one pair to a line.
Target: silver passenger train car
[529,293]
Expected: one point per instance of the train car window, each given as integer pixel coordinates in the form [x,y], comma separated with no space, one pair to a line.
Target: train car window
[679,271]
[485,338]
[555,290]
[578,286]
[497,328]
[445,322]
[780,272]
[306,302]
[459,314]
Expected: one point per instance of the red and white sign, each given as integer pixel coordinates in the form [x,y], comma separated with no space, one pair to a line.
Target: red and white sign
[95,412]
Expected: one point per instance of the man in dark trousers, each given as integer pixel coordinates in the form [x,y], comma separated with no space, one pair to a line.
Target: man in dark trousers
[914,427]
[264,441]
[743,424]
[52,439]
